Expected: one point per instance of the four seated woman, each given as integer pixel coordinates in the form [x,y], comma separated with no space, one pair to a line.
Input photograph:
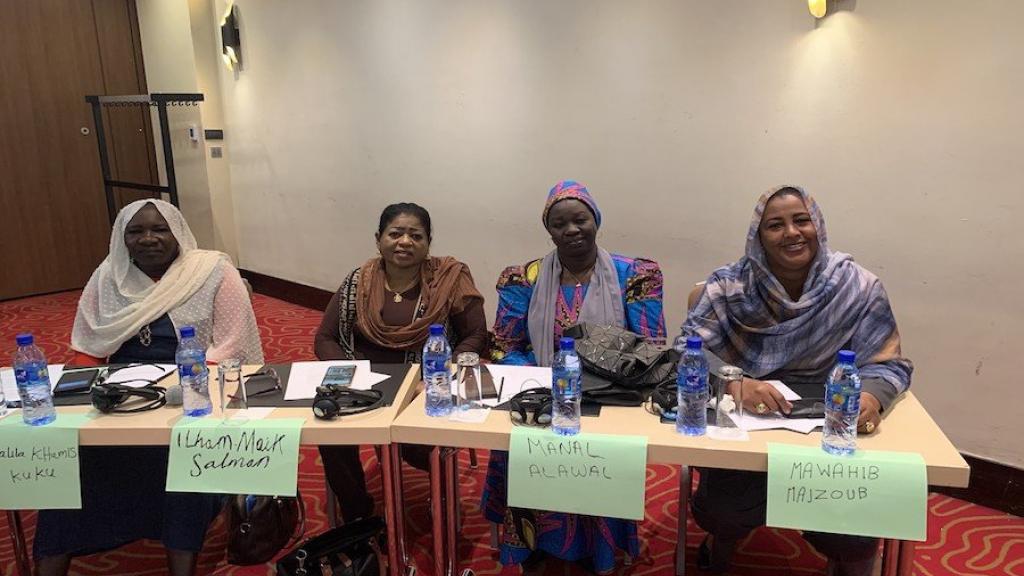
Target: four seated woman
[782,312]
[383,312]
[153,282]
[576,282]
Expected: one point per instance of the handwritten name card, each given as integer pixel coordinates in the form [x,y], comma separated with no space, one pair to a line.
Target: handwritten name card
[235,457]
[594,474]
[39,464]
[871,493]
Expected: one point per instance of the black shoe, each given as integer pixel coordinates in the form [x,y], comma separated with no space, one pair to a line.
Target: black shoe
[715,558]
[535,559]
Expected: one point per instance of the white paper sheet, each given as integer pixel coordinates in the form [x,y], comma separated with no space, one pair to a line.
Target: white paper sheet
[471,415]
[753,422]
[730,434]
[775,421]
[10,386]
[787,392]
[139,376]
[516,379]
[306,376]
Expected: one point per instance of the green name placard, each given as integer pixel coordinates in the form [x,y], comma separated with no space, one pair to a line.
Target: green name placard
[235,456]
[594,474]
[39,464]
[871,493]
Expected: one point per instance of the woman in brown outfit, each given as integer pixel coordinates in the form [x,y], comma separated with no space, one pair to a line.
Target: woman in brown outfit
[382,313]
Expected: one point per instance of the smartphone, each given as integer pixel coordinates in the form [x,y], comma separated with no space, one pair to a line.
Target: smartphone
[807,408]
[75,382]
[340,376]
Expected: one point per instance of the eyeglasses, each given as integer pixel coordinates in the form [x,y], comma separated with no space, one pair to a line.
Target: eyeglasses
[266,382]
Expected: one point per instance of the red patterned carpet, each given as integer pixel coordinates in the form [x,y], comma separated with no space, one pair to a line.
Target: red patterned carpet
[963,538]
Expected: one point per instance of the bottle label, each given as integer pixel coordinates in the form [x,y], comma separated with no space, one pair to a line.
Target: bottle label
[565,385]
[437,365]
[192,373]
[694,381]
[841,400]
[31,375]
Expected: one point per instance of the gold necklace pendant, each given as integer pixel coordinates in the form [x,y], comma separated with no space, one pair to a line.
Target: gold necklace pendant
[398,294]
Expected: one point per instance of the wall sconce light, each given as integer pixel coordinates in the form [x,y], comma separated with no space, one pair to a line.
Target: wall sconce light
[817,8]
[230,39]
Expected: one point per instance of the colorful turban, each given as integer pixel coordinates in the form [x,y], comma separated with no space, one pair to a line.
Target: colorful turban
[570,189]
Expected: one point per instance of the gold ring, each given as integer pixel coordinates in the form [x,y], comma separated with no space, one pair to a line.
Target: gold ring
[869,426]
[761,408]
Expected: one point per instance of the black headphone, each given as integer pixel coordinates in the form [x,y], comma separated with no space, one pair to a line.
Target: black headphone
[664,400]
[107,398]
[332,401]
[531,407]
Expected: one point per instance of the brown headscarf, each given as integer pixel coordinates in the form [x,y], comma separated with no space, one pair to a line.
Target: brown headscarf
[446,288]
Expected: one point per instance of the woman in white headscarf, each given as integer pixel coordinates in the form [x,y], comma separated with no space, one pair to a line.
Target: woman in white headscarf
[153,282]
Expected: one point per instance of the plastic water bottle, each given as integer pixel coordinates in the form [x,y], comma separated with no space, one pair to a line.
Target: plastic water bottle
[566,391]
[33,381]
[193,374]
[842,406]
[437,372]
[692,390]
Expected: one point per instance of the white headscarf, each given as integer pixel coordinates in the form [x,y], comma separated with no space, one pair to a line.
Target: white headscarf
[120,299]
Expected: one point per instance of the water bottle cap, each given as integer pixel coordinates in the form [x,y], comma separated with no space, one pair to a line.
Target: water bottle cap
[566,343]
[694,343]
[847,356]
[188,332]
[24,339]
[436,330]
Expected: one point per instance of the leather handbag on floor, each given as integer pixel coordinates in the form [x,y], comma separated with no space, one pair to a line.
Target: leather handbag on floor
[261,526]
[353,549]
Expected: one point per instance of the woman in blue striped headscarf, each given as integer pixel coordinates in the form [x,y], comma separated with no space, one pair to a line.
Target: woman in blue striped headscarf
[783,311]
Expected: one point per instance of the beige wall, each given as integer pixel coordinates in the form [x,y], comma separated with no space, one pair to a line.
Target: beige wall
[179,49]
[205,28]
[904,119]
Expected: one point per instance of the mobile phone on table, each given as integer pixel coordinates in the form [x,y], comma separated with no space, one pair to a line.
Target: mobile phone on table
[75,382]
[340,376]
[806,408]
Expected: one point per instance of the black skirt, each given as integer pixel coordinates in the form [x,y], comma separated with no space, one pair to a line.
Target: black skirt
[123,495]
[123,500]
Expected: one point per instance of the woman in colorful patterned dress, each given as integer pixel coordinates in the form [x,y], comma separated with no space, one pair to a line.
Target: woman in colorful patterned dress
[576,282]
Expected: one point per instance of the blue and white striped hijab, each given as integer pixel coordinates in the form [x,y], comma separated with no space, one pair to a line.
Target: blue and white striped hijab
[745,316]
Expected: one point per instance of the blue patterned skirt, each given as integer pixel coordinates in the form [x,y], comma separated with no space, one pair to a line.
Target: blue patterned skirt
[571,537]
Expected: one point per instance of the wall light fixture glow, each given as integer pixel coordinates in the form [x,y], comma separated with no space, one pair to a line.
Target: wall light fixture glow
[817,8]
[230,39]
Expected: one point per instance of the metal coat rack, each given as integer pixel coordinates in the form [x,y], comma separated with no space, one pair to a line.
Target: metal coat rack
[161,102]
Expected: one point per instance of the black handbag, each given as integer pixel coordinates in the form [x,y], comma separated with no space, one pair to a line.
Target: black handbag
[261,526]
[623,358]
[350,550]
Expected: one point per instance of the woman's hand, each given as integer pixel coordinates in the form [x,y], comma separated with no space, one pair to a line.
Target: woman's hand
[760,397]
[870,413]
